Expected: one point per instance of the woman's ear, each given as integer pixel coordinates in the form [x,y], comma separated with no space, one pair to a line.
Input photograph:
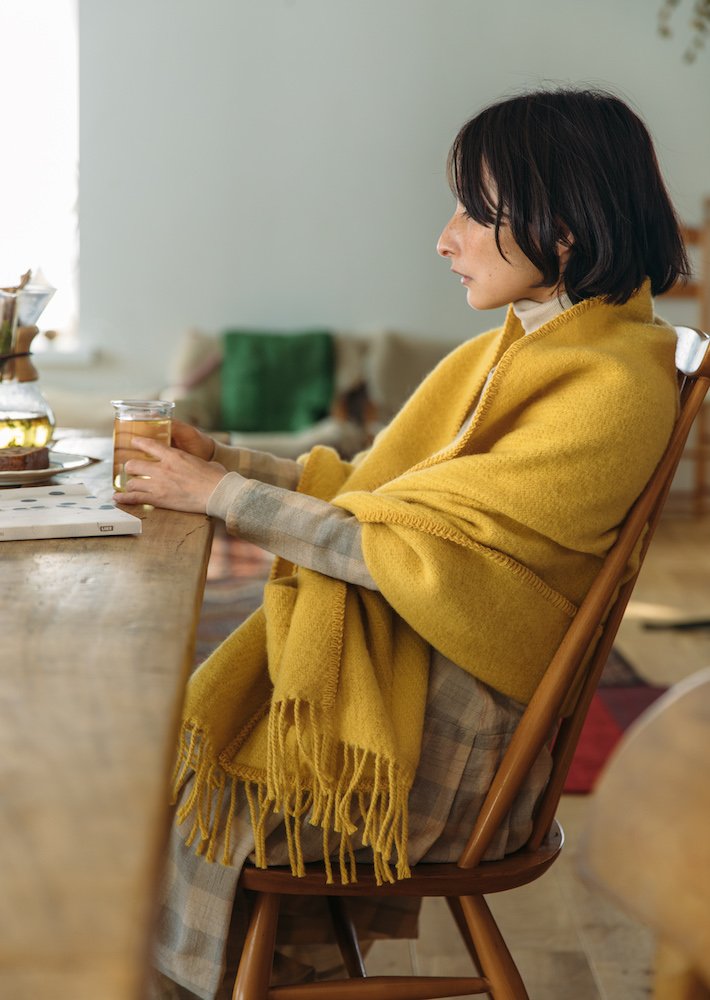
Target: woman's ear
[564,244]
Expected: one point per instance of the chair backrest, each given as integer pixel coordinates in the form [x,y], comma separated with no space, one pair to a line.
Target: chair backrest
[543,712]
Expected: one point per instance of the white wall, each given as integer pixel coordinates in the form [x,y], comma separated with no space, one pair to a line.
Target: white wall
[281,163]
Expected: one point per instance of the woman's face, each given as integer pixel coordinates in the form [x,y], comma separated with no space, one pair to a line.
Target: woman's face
[490,279]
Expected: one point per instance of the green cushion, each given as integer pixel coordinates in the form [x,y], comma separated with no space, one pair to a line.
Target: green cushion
[275,381]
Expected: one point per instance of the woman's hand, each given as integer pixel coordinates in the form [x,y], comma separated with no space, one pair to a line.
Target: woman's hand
[178,480]
[189,439]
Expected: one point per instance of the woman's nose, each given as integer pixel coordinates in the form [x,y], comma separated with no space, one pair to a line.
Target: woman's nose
[444,245]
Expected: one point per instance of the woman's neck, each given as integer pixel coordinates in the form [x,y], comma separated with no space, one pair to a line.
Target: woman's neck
[533,314]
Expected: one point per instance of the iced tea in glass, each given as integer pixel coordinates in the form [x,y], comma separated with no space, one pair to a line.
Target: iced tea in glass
[137,418]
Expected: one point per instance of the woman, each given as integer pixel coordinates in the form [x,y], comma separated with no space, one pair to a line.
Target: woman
[421,590]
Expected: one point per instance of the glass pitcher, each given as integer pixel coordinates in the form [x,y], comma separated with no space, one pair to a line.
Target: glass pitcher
[26,418]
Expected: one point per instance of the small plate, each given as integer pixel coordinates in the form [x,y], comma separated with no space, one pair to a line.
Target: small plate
[58,462]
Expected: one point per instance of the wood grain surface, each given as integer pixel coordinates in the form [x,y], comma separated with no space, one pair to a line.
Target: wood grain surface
[96,640]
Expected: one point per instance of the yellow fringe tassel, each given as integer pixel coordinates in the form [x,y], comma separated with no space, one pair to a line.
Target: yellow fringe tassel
[326,782]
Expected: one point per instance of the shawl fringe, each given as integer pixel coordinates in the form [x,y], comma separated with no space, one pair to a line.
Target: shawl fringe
[335,781]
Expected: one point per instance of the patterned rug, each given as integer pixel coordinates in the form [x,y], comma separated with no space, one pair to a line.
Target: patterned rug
[236,576]
[620,698]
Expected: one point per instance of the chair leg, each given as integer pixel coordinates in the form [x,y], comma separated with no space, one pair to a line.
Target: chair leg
[497,963]
[254,971]
[458,915]
[346,937]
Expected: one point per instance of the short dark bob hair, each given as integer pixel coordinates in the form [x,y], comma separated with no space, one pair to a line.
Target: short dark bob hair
[572,163]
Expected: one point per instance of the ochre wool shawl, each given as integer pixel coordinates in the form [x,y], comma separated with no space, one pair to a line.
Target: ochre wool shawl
[482,549]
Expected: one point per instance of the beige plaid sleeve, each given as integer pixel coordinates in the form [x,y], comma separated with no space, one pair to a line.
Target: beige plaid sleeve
[259,465]
[306,531]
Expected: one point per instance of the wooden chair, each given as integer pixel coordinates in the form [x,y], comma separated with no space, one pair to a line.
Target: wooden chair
[699,290]
[657,782]
[465,884]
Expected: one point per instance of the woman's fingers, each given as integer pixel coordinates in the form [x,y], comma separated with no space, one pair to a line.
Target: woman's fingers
[128,498]
[174,479]
[150,447]
[190,439]
[139,467]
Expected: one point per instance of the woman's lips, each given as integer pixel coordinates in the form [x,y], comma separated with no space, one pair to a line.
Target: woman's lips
[464,277]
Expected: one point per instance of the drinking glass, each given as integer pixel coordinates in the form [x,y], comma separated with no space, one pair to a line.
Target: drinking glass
[137,418]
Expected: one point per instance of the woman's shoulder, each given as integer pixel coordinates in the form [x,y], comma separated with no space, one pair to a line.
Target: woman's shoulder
[595,366]
[595,335]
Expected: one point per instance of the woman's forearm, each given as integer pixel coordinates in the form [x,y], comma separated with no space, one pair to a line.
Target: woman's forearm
[259,465]
[306,531]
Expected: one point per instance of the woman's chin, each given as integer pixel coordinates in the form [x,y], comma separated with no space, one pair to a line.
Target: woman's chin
[481,302]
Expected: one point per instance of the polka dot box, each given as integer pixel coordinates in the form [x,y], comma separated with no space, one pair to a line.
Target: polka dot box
[67,511]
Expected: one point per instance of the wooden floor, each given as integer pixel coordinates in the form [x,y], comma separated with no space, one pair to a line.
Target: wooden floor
[568,941]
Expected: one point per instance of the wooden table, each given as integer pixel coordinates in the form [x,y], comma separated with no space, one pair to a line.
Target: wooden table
[97,638]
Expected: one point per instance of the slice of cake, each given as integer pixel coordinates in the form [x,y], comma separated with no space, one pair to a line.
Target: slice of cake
[22,459]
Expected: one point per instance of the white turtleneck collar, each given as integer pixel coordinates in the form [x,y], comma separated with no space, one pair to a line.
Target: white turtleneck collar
[533,314]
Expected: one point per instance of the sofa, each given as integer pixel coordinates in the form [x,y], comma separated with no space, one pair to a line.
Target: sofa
[372,376]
